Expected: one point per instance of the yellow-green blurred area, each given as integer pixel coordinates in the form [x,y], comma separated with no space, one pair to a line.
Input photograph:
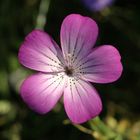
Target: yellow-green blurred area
[119,25]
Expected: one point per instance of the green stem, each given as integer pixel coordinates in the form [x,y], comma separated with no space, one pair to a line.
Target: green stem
[42,14]
[97,125]
[83,129]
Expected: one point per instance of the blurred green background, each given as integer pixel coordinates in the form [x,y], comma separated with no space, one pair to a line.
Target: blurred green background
[119,25]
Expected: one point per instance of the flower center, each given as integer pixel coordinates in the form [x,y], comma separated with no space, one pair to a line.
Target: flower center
[68,71]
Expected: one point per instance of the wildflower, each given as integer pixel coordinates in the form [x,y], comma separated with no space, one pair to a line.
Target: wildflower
[69,71]
[97,5]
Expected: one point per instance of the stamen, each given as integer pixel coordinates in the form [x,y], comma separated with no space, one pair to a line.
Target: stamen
[68,71]
[69,60]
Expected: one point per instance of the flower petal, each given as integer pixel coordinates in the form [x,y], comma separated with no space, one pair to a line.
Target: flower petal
[81,101]
[103,65]
[78,36]
[97,5]
[41,92]
[39,52]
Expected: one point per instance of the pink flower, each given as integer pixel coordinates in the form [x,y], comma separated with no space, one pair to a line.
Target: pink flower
[68,72]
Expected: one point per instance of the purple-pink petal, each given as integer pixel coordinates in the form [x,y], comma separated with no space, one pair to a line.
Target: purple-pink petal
[78,36]
[39,52]
[103,65]
[41,92]
[81,101]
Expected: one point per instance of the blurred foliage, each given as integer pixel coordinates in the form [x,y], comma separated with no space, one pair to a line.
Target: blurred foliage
[119,26]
